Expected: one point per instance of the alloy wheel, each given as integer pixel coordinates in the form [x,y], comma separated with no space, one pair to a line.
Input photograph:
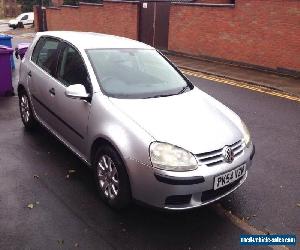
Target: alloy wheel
[25,109]
[107,174]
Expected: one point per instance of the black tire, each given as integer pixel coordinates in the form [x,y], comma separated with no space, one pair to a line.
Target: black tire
[119,182]
[26,112]
[20,25]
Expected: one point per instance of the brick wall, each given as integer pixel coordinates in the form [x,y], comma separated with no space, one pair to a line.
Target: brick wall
[110,17]
[264,33]
[258,32]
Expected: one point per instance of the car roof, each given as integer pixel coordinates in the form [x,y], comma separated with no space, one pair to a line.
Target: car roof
[91,40]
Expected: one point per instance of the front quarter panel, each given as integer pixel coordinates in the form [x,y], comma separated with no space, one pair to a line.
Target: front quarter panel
[129,139]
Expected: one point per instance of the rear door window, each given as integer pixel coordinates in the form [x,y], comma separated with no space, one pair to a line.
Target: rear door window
[47,55]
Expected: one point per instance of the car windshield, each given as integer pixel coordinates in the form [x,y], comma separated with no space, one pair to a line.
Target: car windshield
[20,16]
[136,73]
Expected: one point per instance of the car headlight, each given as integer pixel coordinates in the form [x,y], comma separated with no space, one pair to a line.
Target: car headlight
[169,157]
[246,134]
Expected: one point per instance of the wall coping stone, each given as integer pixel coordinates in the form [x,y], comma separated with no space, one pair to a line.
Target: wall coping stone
[90,4]
[220,5]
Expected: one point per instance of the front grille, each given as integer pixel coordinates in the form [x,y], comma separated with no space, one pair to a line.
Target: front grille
[178,199]
[212,194]
[215,157]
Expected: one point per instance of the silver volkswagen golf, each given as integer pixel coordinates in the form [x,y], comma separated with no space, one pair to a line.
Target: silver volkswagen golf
[147,132]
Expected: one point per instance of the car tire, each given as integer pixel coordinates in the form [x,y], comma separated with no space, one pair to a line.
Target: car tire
[26,112]
[20,25]
[111,178]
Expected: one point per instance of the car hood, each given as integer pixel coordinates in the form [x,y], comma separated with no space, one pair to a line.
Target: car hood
[192,120]
[13,21]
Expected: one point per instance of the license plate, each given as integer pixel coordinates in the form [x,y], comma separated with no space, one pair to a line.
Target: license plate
[229,177]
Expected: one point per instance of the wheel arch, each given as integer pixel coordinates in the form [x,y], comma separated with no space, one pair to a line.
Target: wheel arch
[105,141]
[21,88]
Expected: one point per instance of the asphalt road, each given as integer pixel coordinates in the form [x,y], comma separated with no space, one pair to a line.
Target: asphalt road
[67,212]
[69,209]
[3,26]
[272,191]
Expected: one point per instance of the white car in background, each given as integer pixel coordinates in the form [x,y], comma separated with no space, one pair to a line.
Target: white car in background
[22,20]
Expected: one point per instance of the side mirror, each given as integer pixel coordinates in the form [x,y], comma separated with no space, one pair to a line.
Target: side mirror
[77,91]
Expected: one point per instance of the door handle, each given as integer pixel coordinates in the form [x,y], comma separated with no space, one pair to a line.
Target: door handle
[52,91]
[29,73]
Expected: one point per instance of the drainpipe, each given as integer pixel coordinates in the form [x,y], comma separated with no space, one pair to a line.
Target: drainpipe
[42,12]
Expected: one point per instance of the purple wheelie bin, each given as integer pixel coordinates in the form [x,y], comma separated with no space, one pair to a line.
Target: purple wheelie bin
[21,50]
[6,88]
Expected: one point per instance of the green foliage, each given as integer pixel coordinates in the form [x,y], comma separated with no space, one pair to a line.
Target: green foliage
[91,1]
[71,2]
[27,5]
[76,2]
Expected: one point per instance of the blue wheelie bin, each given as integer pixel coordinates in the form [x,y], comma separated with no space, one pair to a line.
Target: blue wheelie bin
[6,88]
[6,41]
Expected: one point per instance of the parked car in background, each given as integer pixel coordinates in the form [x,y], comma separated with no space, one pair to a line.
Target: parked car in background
[22,20]
[147,132]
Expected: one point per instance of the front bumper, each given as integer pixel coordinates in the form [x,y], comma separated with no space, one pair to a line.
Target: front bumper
[185,190]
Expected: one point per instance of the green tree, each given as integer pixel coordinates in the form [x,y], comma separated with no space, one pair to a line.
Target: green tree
[76,2]
[27,5]
[71,2]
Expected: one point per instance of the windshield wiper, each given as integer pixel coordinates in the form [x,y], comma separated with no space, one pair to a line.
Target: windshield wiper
[156,96]
[183,90]
[165,95]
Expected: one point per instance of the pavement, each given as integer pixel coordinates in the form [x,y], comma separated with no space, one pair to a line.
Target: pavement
[3,26]
[67,212]
[284,83]
[4,21]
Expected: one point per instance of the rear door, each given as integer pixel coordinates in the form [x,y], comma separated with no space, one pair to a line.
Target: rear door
[71,114]
[42,69]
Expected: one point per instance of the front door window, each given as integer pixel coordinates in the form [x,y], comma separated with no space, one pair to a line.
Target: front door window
[72,68]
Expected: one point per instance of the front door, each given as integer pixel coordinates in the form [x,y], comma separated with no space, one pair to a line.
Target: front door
[154,24]
[71,114]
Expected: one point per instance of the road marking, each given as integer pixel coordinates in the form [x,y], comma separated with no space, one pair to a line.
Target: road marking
[241,84]
[217,207]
